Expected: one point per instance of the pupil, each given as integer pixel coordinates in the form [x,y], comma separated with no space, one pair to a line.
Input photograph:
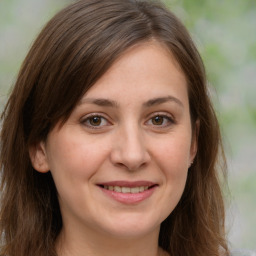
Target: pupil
[158,120]
[95,120]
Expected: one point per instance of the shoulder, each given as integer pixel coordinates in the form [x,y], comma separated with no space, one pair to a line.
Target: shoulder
[243,253]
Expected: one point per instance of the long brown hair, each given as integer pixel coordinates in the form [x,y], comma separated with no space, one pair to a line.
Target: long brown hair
[72,52]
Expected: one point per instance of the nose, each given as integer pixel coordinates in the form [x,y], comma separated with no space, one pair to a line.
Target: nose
[129,149]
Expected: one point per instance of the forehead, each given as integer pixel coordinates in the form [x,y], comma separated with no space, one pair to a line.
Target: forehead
[147,70]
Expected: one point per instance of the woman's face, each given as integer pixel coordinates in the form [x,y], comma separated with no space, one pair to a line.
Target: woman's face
[120,162]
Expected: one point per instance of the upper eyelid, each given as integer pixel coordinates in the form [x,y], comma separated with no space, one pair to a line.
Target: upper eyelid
[170,121]
[166,117]
[161,113]
[84,117]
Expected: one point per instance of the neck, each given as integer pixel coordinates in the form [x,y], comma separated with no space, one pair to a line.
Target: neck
[96,244]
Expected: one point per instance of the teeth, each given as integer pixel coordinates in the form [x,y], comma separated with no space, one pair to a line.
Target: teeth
[135,190]
[126,189]
[117,189]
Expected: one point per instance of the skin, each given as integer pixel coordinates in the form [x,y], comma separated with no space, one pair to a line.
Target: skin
[141,130]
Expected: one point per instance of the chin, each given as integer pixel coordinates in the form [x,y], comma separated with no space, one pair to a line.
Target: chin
[129,227]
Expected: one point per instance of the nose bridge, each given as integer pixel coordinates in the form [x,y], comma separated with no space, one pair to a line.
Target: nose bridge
[129,148]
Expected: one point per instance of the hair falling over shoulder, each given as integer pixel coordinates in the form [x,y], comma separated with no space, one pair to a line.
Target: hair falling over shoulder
[71,53]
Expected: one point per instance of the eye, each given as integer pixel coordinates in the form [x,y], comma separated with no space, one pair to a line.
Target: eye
[157,120]
[95,121]
[160,120]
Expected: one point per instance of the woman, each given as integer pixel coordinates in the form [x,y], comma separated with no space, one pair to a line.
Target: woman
[110,144]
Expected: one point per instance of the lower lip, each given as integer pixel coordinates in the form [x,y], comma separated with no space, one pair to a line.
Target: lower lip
[129,198]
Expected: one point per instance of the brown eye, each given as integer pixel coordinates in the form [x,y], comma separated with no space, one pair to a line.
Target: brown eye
[95,120]
[157,120]
[160,121]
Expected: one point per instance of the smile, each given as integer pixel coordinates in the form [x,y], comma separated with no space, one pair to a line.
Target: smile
[128,192]
[133,190]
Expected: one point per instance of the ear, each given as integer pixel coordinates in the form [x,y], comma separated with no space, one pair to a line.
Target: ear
[194,141]
[38,157]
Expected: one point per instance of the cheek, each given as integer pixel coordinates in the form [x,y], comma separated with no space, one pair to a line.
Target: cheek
[173,154]
[74,159]
[172,159]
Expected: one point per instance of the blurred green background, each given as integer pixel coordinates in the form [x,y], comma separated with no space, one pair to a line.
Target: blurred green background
[225,34]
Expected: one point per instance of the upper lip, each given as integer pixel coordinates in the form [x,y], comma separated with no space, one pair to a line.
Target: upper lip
[129,184]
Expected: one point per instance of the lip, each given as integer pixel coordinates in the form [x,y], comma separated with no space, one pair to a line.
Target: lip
[130,184]
[128,198]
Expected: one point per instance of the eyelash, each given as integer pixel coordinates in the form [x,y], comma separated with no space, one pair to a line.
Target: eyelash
[166,118]
[87,119]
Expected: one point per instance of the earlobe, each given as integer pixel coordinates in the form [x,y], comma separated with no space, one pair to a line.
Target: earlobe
[38,157]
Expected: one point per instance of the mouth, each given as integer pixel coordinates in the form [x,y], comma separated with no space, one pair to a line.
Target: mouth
[125,190]
[128,192]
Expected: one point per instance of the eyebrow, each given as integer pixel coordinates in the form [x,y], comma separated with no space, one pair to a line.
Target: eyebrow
[100,102]
[161,100]
[150,103]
